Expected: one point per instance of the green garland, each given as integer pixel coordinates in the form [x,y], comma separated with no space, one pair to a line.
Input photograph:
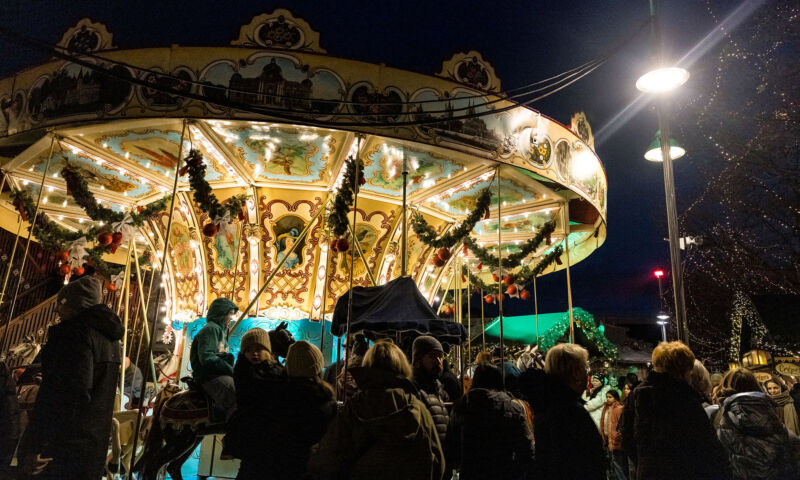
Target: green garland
[515,259]
[523,277]
[454,235]
[54,238]
[337,217]
[585,321]
[79,189]
[203,195]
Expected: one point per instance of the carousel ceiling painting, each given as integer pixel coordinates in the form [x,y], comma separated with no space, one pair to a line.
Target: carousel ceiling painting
[275,127]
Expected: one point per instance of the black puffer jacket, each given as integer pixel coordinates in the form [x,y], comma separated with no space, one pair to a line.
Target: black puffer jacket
[431,392]
[568,444]
[71,420]
[489,436]
[668,434]
[758,444]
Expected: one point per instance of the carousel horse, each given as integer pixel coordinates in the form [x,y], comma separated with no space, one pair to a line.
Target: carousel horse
[181,418]
[23,353]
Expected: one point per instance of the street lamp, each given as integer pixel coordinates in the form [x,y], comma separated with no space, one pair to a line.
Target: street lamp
[653,152]
[660,81]
[663,317]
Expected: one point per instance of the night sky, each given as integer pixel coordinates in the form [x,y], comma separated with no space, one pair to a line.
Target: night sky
[525,41]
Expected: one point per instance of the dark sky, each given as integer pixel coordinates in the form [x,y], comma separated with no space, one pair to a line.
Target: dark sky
[525,41]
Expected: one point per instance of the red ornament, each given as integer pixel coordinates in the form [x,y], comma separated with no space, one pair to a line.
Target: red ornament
[438,262]
[362,179]
[139,208]
[64,256]
[65,269]
[78,271]
[183,170]
[480,266]
[463,278]
[444,254]
[116,239]
[20,206]
[509,280]
[104,238]
[241,215]
[343,244]
[548,240]
[489,298]
[210,229]
[525,295]
[114,247]
[112,287]
[487,215]
[512,290]
[558,260]
[465,250]
[334,245]
[495,277]
[499,297]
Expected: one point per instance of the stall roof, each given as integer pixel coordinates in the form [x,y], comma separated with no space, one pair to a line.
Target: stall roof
[522,328]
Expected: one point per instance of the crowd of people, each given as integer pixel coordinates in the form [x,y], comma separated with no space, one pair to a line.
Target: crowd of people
[395,414]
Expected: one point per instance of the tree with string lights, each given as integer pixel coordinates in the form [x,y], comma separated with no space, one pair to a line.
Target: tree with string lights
[748,214]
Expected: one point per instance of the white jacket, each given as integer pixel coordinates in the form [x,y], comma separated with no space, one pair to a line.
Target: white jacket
[595,405]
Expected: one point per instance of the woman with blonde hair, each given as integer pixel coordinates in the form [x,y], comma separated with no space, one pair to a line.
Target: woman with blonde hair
[384,430]
[665,430]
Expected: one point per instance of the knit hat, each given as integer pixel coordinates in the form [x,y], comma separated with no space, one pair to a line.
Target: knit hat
[79,295]
[422,345]
[304,360]
[255,336]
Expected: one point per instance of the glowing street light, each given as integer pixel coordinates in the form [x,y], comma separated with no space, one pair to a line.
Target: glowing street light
[662,80]
[654,150]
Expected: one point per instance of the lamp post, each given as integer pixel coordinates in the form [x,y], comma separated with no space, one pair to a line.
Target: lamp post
[662,317]
[660,81]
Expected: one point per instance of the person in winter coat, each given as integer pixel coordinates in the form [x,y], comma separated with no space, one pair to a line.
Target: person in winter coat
[212,365]
[346,387]
[561,425]
[69,430]
[384,431]
[666,431]
[510,370]
[9,418]
[758,445]
[785,405]
[489,436]
[596,399]
[451,383]
[612,438]
[427,361]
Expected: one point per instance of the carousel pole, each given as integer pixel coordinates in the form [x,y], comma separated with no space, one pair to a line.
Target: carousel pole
[447,289]
[565,222]
[278,267]
[461,321]
[150,333]
[126,288]
[404,237]
[469,315]
[143,308]
[500,279]
[144,325]
[361,255]
[30,233]
[536,309]
[348,345]
[236,263]
[483,324]
[325,291]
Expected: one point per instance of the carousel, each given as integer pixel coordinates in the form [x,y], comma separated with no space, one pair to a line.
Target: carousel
[273,174]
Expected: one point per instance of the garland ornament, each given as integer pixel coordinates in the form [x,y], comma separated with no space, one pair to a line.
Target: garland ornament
[337,216]
[429,237]
[515,259]
[220,213]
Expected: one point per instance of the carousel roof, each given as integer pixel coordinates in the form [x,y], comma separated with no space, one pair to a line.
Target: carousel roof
[277,122]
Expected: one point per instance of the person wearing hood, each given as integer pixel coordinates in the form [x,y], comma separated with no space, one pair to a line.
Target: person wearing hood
[568,443]
[69,430]
[665,429]
[212,364]
[384,431]
[785,404]
[758,445]
[596,399]
[489,436]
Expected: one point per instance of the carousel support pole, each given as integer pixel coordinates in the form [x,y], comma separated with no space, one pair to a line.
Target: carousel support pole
[161,288]
[565,221]
[126,288]
[325,291]
[500,279]
[469,315]
[30,233]
[536,309]
[483,325]
[461,321]
[449,284]
[404,237]
[275,271]
[143,308]
[144,325]
[361,255]
[10,265]
[348,345]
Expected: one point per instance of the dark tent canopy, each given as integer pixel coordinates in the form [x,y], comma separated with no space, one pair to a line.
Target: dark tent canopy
[397,306]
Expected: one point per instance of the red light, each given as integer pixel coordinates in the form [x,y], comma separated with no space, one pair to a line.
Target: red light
[658,273]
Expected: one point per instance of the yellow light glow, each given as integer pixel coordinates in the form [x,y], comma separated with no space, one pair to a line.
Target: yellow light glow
[654,155]
[662,79]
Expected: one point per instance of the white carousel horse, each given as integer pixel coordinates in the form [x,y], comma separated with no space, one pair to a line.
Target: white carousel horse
[181,420]
[23,353]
